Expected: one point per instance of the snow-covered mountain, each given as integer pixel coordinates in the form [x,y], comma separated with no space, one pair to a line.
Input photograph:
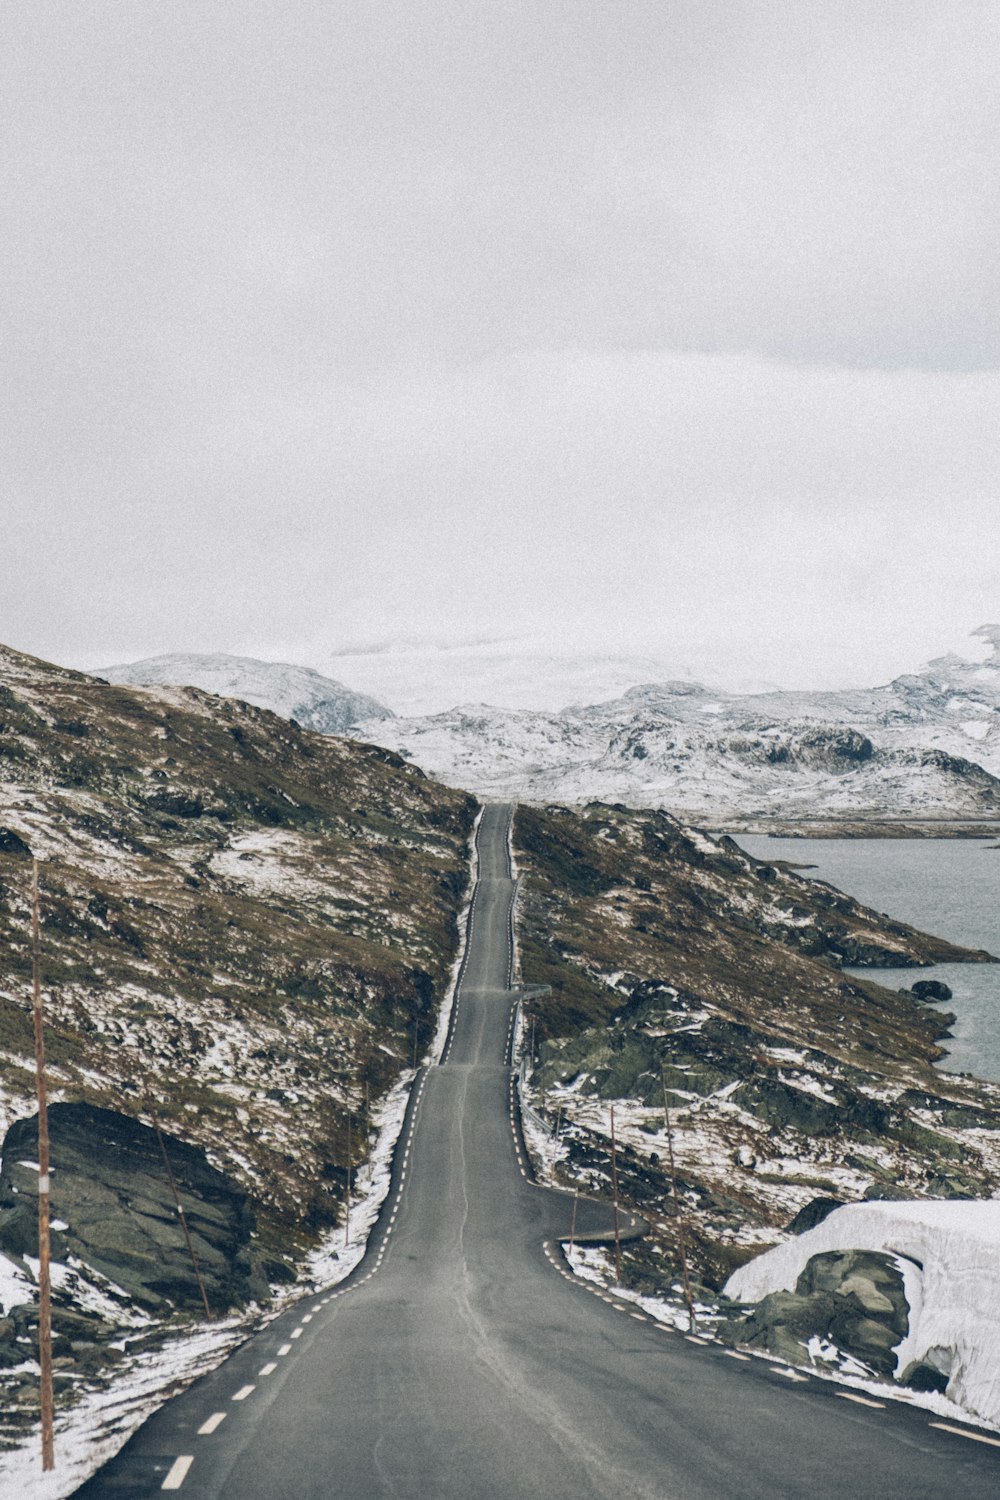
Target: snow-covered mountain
[299,693]
[925,745]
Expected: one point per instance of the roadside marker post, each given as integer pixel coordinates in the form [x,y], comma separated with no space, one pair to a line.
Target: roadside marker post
[347,1211]
[614,1193]
[681,1237]
[44,1249]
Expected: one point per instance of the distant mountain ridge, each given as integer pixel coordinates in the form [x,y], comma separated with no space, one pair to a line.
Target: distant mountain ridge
[314,701]
[926,745]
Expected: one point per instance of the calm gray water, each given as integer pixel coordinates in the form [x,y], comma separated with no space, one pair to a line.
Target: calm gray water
[950,887]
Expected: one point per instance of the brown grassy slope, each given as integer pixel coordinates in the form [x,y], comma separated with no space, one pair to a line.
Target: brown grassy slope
[611,889]
[244,922]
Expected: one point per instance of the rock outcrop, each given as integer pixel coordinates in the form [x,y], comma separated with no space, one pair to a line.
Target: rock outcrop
[113,1209]
[853,1302]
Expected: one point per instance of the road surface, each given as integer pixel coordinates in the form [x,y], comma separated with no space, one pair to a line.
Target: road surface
[462,1362]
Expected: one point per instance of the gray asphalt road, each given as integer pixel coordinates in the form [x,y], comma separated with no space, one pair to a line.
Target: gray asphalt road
[461,1363]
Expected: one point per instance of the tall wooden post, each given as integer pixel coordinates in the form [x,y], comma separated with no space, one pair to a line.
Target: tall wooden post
[678,1216]
[44,1278]
[614,1193]
[347,1215]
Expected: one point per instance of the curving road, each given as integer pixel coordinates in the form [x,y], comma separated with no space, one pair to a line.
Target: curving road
[462,1362]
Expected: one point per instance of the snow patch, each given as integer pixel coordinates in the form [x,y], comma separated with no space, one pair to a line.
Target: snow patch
[948,1252]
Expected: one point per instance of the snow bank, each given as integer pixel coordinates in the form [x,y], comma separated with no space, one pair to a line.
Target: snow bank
[950,1252]
[91,1432]
[436,1053]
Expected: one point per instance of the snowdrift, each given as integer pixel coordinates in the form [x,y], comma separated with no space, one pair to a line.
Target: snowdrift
[949,1253]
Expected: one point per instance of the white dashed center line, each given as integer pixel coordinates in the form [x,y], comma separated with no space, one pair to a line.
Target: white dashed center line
[268,1369]
[977,1437]
[733,1355]
[178,1472]
[215,1420]
[285,1349]
[862,1400]
[243,1392]
[297,1333]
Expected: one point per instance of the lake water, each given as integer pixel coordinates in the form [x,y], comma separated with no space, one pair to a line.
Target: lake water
[950,887]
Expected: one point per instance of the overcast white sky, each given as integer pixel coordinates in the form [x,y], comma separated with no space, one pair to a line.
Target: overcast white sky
[642,325]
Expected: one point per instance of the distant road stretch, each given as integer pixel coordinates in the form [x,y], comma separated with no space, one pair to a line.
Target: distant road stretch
[461,1361]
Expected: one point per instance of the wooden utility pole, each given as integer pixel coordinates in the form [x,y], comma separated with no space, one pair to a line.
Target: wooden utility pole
[183,1218]
[614,1194]
[572,1227]
[44,1279]
[678,1216]
[347,1215]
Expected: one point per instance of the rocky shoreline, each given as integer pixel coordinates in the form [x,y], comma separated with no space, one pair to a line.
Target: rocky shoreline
[857,828]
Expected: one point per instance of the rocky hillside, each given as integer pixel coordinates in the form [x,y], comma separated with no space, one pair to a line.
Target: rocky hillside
[683,971]
[247,931]
[924,747]
[298,693]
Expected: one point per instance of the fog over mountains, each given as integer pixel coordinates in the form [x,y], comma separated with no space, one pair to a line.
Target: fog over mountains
[925,745]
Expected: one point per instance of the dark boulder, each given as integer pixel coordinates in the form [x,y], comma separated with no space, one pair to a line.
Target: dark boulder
[782,1323]
[13,843]
[852,1299]
[813,1213]
[930,989]
[111,1190]
[880,1191]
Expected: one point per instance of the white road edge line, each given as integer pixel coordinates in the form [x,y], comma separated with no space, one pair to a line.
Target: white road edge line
[243,1392]
[177,1472]
[208,1427]
[865,1401]
[976,1437]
